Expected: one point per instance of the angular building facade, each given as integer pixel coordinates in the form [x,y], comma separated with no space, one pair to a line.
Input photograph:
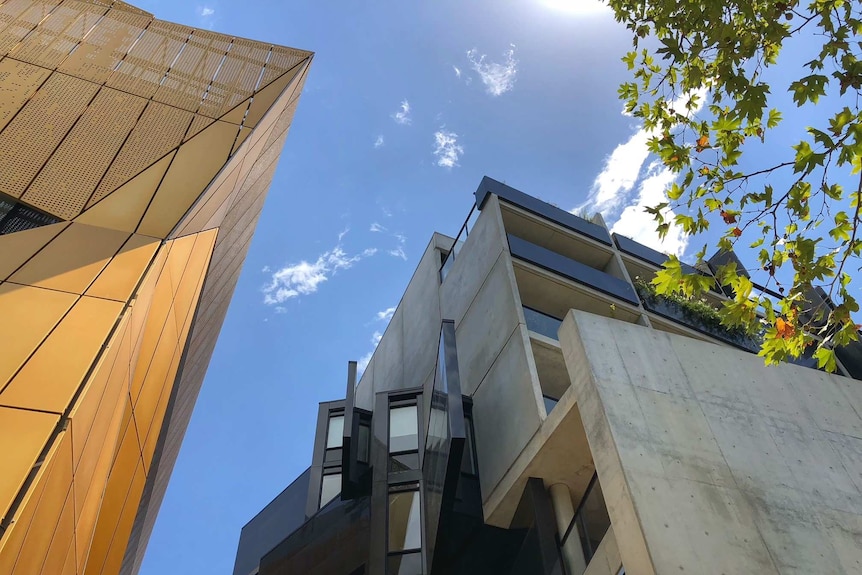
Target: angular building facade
[135,156]
[533,408]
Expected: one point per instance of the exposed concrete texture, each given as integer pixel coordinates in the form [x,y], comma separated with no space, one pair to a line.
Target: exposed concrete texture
[505,410]
[711,462]
[606,560]
[486,241]
[389,356]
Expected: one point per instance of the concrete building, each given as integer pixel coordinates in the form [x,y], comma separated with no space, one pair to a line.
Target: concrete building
[135,155]
[532,408]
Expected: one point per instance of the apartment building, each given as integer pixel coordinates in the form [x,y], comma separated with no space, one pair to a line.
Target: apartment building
[533,409]
[135,156]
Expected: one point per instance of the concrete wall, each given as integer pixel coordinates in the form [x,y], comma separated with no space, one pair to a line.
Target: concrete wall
[606,560]
[711,462]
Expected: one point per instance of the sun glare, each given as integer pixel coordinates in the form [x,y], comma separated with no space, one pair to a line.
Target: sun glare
[578,7]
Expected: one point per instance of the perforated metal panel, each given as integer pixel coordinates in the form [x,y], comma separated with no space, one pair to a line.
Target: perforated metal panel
[198,124]
[237,77]
[71,175]
[58,34]
[24,22]
[18,81]
[283,59]
[30,139]
[102,49]
[193,71]
[160,130]
[149,59]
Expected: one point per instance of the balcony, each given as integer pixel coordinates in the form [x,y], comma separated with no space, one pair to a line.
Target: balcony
[571,269]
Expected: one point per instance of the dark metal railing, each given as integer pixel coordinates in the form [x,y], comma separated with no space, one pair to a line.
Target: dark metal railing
[459,242]
[541,322]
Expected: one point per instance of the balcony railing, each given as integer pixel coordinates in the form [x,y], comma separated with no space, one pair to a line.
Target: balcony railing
[589,524]
[542,323]
[463,233]
[571,269]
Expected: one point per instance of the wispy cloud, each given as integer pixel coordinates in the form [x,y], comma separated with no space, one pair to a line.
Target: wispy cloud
[304,278]
[205,11]
[386,314]
[623,188]
[375,227]
[402,116]
[457,72]
[398,252]
[498,78]
[446,148]
[365,359]
[378,142]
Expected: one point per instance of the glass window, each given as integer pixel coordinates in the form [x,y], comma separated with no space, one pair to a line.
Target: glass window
[405,564]
[330,488]
[468,460]
[364,443]
[334,436]
[403,429]
[405,523]
[403,462]
[550,403]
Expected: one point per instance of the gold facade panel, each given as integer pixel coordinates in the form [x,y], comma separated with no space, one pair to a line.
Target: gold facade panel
[191,74]
[237,115]
[197,162]
[123,471]
[29,314]
[72,260]
[142,303]
[265,98]
[158,382]
[218,194]
[198,124]
[154,323]
[70,177]
[59,33]
[62,546]
[282,60]
[124,208]
[188,292]
[18,81]
[160,130]
[35,558]
[29,140]
[25,20]
[89,496]
[243,135]
[118,280]
[52,375]
[237,77]
[103,48]
[114,558]
[19,247]
[148,61]
[23,435]
[49,509]
[93,408]
[178,259]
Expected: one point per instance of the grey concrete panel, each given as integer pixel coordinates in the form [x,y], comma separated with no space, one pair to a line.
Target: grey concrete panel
[388,358]
[505,410]
[475,260]
[723,465]
[365,388]
[421,323]
[486,327]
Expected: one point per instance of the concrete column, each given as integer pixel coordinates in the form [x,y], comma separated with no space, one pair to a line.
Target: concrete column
[573,555]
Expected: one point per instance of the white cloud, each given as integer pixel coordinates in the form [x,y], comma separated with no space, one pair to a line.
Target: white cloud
[403,115]
[639,225]
[446,148]
[378,142]
[365,359]
[457,72]
[612,192]
[498,78]
[205,11]
[304,278]
[375,227]
[386,314]
[398,252]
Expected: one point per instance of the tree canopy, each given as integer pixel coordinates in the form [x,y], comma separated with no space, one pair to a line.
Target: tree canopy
[712,82]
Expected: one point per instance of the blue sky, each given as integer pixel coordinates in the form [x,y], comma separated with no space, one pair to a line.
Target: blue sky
[407,106]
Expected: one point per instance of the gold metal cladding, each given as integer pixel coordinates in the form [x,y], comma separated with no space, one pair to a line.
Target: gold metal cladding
[125,207]
[29,140]
[264,99]
[54,372]
[18,82]
[71,175]
[72,260]
[29,314]
[17,248]
[119,279]
[197,162]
